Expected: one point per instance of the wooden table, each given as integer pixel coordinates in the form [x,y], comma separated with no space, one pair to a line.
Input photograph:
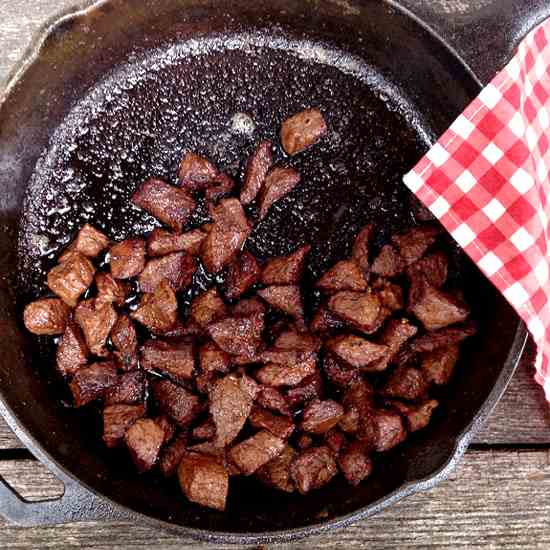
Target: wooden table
[498,497]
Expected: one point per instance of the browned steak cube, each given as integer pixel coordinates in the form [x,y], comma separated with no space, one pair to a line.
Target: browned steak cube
[70,279]
[171,456]
[227,236]
[109,290]
[418,416]
[394,335]
[356,351]
[360,396]
[220,188]
[278,184]
[91,383]
[388,429]
[129,390]
[238,335]
[413,244]
[257,168]
[434,267]
[288,358]
[165,202]
[177,269]
[325,322]
[360,309]
[355,463]
[335,439]
[127,258]
[438,365]
[406,383]
[243,272]
[321,416]
[204,480]
[230,405]
[313,468]
[178,403]
[262,419]
[116,421]
[304,441]
[144,439]
[443,337]
[196,172]
[72,352]
[338,373]
[277,375]
[274,400]
[388,263]
[162,242]
[361,247]
[285,270]
[96,323]
[168,427]
[124,339]
[208,307]
[205,430]
[309,388]
[292,340]
[177,359]
[46,317]
[251,306]
[287,299]
[276,473]
[158,311]
[213,359]
[301,131]
[345,275]
[390,294]
[89,242]
[350,422]
[254,452]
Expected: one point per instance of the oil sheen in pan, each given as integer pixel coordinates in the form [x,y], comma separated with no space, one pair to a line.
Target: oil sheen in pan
[219,96]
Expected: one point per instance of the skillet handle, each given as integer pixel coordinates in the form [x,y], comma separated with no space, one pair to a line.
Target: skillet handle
[76,504]
[485,33]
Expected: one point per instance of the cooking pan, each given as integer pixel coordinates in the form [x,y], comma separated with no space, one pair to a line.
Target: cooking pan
[116,91]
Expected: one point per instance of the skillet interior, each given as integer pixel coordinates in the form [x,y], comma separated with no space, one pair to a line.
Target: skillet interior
[124,91]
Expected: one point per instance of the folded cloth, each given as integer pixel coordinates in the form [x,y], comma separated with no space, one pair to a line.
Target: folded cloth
[487,181]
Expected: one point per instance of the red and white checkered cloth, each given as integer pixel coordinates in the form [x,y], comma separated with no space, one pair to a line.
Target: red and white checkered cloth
[487,181]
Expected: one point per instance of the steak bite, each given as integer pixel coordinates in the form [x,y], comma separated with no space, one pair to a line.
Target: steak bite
[356,351]
[395,334]
[196,172]
[91,383]
[256,451]
[292,340]
[144,439]
[302,130]
[204,480]
[168,427]
[96,322]
[238,335]
[309,388]
[388,263]
[257,168]
[438,365]
[177,360]
[89,242]
[227,235]
[158,311]
[325,322]
[109,290]
[208,307]
[338,373]
[389,294]
[276,473]
[178,403]
[46,317]
[220,188]
[418,416]
[286,270]
[355,463]
[313,468]
[442,338]
[321,416]
[127,258]
[385,432]
[170,205]
[243,272]
[272,399]
[287,299]
[116,421]
[277,375]
[278,184]
[128,390]
[162,242]
[205,431]
[213,359]
[361,247]
[249,307]
[433,267]
[70,279]
[171,456]
[345,275]
[413,244]
[72,352]
[177,269]
[335,439]
[406,383]
[262,419]
[124,339]
[360,309]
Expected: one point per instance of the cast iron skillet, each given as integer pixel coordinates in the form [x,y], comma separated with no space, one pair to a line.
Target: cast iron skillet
[114,94]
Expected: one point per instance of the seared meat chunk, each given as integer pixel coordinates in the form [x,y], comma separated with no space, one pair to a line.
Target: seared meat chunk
[394,335]
[335,439]
[257,168]
[287,358]
[89,242]
[158,311]
[321,416]
[91,383]
[292,340]
[227,236]
[355,463]
[360,309]
[208,307]
[196,172]
[254,452]
[406,383]
[278,184]
[177,360]
[305,441]
[309,388]
[72,352]
[127,258]
[285,270]
[46,317]
[162,242]
[116,421]
[204,480]
[96,322]
[356,351]
[128,390]
[438,365]
[276,473]
[286,299]
[345,275]
[413,244]
[124,339]
[144,439]
[389,294]
[177,402]
[205,430]
[433,267]
[280,426]
[238,335]
[274,374]
[418,416]
[388,263]
[313,468]
[386,430]
[324,322]
[168,427]
[70,279]
[250,307]
[359,403]
[361,247]
[443,337]
[109,290]
[339,374]
[170,205]
[302,130]
[243,273]
[213,359]
[177,269]
[273,399]
[171,456]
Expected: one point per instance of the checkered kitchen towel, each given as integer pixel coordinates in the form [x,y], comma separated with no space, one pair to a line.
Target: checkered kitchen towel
[487,181]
